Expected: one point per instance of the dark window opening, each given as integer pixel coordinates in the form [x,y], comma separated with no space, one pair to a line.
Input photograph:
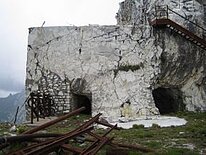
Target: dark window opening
[82,101]
[168,100]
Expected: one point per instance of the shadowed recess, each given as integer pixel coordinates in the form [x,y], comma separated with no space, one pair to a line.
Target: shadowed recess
[82,101]
[168,100]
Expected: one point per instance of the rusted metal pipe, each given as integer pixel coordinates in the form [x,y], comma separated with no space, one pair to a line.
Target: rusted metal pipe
[51,146]
[133,147]
[107,124]
[45,125]
[12,139]
[68,147]
[98,147]
[3,146]
[29,148]
[88,123]
[136,147]
[32,109]
[106,133]
[82,127]
[99,138]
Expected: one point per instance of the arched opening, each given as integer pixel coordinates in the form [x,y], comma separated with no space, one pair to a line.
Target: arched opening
[168,100]
[82,101]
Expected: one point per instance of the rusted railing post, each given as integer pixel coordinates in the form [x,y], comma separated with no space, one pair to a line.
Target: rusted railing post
[37,105]
[43,126]
[167,12]
[32,108]
[49,104]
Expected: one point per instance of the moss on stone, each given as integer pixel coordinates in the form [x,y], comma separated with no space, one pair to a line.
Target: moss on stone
[127,67]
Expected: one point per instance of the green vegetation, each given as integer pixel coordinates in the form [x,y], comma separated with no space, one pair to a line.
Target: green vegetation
[169,140]
[127,67]
[4,128]
[189,139]
[22,128]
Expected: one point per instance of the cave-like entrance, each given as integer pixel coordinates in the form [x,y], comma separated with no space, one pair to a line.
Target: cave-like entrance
[168,100]
[82,101]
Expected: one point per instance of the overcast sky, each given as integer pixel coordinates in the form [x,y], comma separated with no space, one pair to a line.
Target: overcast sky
[18,15]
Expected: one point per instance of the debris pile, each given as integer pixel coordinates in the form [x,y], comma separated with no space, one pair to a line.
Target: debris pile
[36,143]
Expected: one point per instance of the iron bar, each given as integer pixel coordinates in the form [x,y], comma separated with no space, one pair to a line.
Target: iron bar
[99,138]
[45,125]
[70,148]
[51,146]
[95,136]
[98,147]
[3,146]
[83,126]
[29,148]
[13,139]
[189,35]
[86,124]
[186,19]
[136,147]
[107,124]
[133,147]
[32,109]
[15,118]
[159,8]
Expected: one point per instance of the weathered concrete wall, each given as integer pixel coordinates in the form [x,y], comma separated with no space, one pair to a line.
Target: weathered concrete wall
[111,63]
[118,67]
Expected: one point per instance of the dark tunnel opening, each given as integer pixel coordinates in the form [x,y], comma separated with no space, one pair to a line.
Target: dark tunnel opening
[82,101]
[168,100]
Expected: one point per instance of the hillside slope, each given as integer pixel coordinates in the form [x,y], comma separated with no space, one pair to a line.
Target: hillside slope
[8,107]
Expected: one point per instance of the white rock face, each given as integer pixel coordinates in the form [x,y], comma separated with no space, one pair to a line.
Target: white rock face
[117,68]
[134,12]
[113,66]
[182,63]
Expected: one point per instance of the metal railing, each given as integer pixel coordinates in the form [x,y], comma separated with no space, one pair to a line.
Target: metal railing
[41,105]
[163,11]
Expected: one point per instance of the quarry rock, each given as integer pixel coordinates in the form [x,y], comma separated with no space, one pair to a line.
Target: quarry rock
[100,62]
[182,63]
[115,70]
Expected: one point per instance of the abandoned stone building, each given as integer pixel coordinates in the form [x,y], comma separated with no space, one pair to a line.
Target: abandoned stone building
[151,62]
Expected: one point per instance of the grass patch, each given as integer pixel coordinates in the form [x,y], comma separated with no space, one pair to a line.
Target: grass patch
[135,126]
[167,140]
[154,144]
[4,128]
[180,151]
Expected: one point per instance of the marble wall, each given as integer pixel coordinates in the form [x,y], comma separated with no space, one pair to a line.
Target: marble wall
[119,66]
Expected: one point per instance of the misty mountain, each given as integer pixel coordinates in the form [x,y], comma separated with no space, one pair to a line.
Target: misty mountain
[8,107]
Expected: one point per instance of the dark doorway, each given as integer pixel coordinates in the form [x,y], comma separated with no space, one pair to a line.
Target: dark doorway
[168,100]
[82,101]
